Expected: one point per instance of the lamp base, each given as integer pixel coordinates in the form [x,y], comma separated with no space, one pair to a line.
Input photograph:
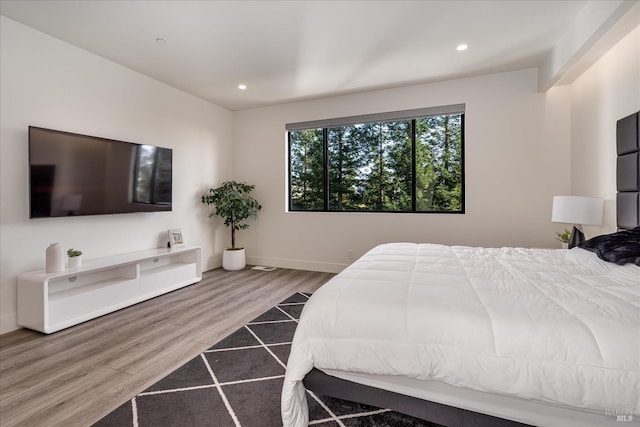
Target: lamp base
[577,236]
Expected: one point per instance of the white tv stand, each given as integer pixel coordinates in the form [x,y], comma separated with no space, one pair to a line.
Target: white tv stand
[49,302]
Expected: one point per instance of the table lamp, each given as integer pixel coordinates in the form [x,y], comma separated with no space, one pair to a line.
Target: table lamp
[578,211]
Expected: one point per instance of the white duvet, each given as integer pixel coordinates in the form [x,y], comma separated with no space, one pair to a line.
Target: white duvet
[549,325]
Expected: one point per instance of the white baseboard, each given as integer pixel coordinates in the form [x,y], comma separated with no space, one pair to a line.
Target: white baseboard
[8,323]
[325,267]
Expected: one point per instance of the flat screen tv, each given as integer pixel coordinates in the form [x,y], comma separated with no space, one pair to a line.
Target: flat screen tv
[72,174]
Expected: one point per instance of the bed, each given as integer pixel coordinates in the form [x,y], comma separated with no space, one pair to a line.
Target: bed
[483,336]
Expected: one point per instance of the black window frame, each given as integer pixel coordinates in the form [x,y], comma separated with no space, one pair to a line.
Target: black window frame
[413,116]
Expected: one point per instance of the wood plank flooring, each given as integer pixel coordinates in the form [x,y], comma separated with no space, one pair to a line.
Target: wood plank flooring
[76,376]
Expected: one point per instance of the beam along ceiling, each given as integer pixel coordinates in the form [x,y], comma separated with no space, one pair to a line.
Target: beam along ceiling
[290,50]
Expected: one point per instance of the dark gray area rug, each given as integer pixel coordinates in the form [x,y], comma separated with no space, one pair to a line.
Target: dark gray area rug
[238,381]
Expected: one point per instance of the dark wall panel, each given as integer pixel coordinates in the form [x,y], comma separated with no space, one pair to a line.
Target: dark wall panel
[628,171]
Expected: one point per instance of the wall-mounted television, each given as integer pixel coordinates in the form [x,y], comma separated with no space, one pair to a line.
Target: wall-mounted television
[72,174]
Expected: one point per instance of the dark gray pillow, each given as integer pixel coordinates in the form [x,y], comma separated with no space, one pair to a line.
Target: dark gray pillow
[621,247]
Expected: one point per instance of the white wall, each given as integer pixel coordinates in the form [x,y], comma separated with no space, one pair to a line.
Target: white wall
[46,82]
[522,147]
[608,91]
[516,154]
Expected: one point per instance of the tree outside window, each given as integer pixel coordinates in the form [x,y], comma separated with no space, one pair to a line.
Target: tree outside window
[409,165]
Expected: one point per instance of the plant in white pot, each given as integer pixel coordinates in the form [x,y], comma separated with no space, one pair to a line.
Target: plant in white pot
[233,203]
[564,237]
[75,258]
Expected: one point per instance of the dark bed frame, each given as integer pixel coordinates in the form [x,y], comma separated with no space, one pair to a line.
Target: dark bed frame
[326,385]
[628,217]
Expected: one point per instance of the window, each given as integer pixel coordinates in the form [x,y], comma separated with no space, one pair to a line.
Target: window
[407,161]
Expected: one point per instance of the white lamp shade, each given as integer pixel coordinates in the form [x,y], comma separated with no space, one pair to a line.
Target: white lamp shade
[577,210]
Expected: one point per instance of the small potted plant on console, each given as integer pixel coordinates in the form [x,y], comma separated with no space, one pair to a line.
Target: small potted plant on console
[75,258]
[233,203]
[564,237]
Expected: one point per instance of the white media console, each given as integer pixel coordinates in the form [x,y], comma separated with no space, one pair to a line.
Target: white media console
[49,302]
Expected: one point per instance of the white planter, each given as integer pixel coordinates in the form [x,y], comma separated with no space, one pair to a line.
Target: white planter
[234,259]
[565,245]
[75,261]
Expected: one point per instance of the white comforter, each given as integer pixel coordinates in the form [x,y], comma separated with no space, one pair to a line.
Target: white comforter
[550,325]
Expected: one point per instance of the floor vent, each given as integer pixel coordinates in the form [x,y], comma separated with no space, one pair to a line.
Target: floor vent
[263,268]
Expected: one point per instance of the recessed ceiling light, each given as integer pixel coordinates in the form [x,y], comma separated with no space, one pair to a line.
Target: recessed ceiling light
[461,47]
[242,87]
[161,41]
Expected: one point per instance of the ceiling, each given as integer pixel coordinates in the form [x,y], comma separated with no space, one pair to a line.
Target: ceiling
[292,50]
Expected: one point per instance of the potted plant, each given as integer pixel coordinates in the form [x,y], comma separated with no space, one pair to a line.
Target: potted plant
[233,203]
[564,237]
[75,258]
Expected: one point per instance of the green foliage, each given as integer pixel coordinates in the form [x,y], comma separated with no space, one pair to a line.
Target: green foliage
[564,237]
[73,252]
[439,152]
[233,203]
[369,166]
[306,154]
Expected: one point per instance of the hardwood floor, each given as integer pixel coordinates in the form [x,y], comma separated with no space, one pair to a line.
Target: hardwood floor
[76,376]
